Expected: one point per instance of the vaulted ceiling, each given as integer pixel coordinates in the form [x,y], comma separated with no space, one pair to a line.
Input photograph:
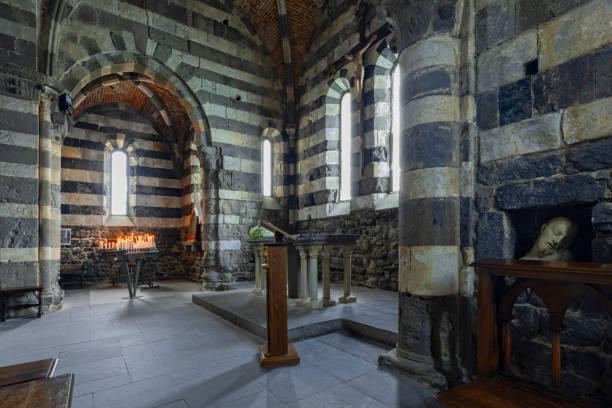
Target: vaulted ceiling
[263,15]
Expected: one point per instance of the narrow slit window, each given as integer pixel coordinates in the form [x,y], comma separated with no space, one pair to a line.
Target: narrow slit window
[119,183]
[395,129]
[267,168]
[345,147]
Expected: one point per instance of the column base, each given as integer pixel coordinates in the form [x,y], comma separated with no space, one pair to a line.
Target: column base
[418,369]
[259,292]
[347,299]
[316,303]
[328,302]
[303,302]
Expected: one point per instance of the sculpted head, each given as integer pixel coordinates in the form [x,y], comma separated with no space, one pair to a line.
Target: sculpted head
[554,239]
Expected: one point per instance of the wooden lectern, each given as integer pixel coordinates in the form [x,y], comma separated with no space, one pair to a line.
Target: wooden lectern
[277,351]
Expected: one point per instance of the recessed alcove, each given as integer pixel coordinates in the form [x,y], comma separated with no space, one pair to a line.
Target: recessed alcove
[528,223]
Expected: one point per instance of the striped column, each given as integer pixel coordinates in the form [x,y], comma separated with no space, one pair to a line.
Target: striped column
[210,161]
[429,206]
[49,204]
[429,216]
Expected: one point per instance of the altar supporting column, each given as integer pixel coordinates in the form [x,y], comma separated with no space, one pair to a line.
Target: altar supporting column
[258,273]
[304,299]
[325,260]
[346,256]
[313,272]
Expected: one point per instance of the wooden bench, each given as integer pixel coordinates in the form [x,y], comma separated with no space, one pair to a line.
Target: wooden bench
[5,294]
[33,370]
[53,392]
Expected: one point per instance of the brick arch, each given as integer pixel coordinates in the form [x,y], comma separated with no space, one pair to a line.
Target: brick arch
[126,63]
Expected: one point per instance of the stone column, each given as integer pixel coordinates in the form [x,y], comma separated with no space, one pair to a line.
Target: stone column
[325,260]
[214,271]
[304,299]
[263,272]
[51,134]
[429,204]
[346,257]
[257,289]
[313,273]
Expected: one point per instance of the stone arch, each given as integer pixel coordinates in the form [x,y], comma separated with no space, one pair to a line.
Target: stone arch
[139,67]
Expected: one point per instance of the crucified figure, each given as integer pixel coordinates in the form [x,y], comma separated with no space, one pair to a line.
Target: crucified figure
[357,60]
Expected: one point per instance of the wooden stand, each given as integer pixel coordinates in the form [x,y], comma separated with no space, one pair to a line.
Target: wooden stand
[557,284]
[277,351]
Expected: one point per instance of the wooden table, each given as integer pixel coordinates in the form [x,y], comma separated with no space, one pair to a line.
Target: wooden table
[53,392]
[33,370]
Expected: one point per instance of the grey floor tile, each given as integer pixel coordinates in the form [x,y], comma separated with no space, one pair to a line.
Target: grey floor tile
[392,388]
[367,402]
[368,351]
[85,401]
[101,385]
[292,383]
[76,357]
[333,361]
[339,396]
[95,370]
[263,399]
[143,394]
[175,404]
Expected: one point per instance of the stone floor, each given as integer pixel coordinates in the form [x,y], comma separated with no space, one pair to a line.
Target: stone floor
[374,315]
[161,350]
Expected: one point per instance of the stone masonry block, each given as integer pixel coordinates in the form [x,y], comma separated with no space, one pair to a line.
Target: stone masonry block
[494,23]
[591,156]
[589,121]
[574,190]
[529,136]
[575,33]
[496,237]
[505,63]
[515,102]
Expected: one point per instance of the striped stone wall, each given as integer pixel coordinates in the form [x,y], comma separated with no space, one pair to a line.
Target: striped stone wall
[19,158]
[544,103]
[155,191]
[217,67]
[372,206]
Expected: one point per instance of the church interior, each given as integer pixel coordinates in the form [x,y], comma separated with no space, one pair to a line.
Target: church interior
[305,203]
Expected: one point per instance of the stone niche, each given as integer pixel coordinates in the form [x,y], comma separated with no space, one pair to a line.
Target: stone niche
[527,225]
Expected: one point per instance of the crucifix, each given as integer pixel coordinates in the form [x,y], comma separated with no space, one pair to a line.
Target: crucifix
[355,57]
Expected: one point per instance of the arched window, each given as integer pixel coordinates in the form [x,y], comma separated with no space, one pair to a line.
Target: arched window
[345,147]
[266,163]
[119,183]
[395,129]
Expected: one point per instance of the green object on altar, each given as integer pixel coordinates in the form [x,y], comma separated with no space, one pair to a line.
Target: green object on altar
[260,232]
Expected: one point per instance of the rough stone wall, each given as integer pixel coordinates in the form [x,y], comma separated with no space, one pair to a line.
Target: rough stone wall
[543,112]
[374,259]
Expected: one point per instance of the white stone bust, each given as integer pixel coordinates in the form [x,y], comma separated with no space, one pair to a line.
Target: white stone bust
[554,239]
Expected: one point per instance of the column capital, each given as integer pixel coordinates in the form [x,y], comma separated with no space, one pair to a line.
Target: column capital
[314,250]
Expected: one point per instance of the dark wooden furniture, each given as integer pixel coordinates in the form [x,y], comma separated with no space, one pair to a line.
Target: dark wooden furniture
[5,294]
[33,370]
[277,351]
[557,284]
[53,392]
[505,393]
